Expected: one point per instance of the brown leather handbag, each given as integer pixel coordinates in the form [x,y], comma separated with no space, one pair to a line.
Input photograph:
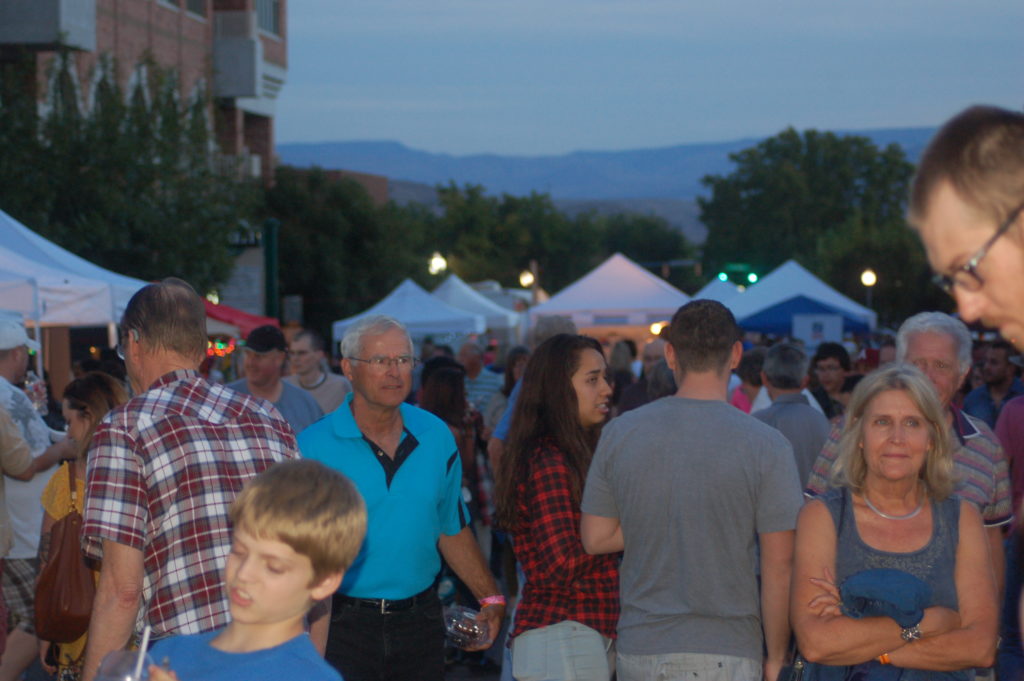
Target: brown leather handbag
[66,587]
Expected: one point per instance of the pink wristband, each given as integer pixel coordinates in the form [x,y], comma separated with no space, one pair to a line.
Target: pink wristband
[492,600]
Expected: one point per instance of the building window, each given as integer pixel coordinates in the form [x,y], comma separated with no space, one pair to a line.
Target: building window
[268,14]
[196,7]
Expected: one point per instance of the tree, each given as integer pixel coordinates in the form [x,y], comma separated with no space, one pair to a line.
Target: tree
[337,250]
[490,238]
[650,239]
[835,204]
[133,184]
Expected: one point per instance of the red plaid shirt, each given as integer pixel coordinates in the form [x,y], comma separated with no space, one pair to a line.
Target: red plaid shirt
[162,471]
[563,582]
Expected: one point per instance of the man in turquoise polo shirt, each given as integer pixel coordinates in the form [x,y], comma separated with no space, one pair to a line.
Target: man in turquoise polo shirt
[386,617]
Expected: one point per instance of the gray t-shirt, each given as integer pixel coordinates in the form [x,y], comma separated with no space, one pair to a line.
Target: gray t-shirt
[296,405]
[693,482]
[329,394]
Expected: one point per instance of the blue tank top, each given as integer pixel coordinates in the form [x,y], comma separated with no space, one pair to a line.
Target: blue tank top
[934,563]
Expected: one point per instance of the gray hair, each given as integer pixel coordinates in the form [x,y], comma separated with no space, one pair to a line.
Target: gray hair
[373,325]
[661,382]
[936,322]
[785,366]
[550,325]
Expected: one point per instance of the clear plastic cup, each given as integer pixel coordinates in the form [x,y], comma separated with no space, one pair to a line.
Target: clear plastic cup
[35,388]
[119,665]
[463,628]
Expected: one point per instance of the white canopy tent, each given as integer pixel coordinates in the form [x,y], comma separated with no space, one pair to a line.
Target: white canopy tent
[790,290]
[617,293]
[50,286]
[68,290]
[459,294]
[421,313]
[719,290]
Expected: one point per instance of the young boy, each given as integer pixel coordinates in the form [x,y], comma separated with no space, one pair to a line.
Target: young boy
[297,528]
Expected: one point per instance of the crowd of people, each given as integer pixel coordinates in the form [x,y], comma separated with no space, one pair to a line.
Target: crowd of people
[700,506]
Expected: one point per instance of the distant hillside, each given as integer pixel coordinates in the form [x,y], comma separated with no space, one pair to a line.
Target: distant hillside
[666,173]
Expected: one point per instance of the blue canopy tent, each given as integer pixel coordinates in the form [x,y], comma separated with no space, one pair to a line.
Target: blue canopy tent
[778,319]
[771,305]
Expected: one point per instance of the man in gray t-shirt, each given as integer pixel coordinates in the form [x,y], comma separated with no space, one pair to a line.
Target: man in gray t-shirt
[687,487]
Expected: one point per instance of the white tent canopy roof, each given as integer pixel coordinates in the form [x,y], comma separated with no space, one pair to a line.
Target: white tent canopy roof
[719,290]
[618,292]
[790,281]
[70,290]
[459,294]
[421,313]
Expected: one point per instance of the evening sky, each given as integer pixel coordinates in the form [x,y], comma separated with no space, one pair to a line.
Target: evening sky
[533,77]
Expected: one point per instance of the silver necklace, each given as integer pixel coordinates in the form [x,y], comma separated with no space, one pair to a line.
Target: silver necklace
[317,384]
[894,517]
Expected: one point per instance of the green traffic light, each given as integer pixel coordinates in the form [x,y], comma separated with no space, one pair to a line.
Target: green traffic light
[752,278]
[722,276]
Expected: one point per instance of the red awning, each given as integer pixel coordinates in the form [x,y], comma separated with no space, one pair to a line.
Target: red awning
[243,320]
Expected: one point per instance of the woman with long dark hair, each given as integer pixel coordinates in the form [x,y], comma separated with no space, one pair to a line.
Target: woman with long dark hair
[565,621]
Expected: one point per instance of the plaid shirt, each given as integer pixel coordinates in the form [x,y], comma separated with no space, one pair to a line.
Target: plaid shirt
[563,582]
[982,470]
[162,471]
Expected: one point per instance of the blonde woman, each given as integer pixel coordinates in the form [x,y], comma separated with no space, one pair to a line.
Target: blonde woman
[893,508]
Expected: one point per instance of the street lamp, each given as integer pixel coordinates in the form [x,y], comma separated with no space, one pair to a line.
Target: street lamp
[526,279]
[437,264]
[869,279]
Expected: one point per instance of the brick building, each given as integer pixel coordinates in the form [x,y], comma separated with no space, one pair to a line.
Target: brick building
[233,50]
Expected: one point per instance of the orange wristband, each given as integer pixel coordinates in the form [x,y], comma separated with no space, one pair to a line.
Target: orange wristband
[884,658]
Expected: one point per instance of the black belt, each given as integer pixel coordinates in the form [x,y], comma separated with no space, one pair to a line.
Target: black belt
[384,605]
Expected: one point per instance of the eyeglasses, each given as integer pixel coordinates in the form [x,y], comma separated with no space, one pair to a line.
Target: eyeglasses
[380,364]
[966,276]
[120,341]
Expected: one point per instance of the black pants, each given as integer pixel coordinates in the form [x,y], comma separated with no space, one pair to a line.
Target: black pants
[365,645]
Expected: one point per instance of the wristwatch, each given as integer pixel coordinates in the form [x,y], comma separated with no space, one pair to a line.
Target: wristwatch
[911,633]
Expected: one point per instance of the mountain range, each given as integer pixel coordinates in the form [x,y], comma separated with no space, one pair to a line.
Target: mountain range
[663,181]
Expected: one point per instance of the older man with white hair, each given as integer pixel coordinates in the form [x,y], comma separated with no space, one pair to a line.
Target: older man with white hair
[386,619]
[940,346]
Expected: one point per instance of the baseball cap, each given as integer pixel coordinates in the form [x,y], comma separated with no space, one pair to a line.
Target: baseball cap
[12,335]
[266,338]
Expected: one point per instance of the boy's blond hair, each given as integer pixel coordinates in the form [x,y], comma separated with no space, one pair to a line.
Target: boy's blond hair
[313,509]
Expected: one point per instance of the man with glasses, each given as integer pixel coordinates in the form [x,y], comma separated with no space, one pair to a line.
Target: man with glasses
[966,203]
[163,469]
[386,619]
[263,362]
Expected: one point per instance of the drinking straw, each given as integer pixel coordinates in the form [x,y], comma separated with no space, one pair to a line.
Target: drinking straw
[142,653]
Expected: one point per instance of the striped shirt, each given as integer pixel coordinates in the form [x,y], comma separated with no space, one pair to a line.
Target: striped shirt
[982,471]
[162,471]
